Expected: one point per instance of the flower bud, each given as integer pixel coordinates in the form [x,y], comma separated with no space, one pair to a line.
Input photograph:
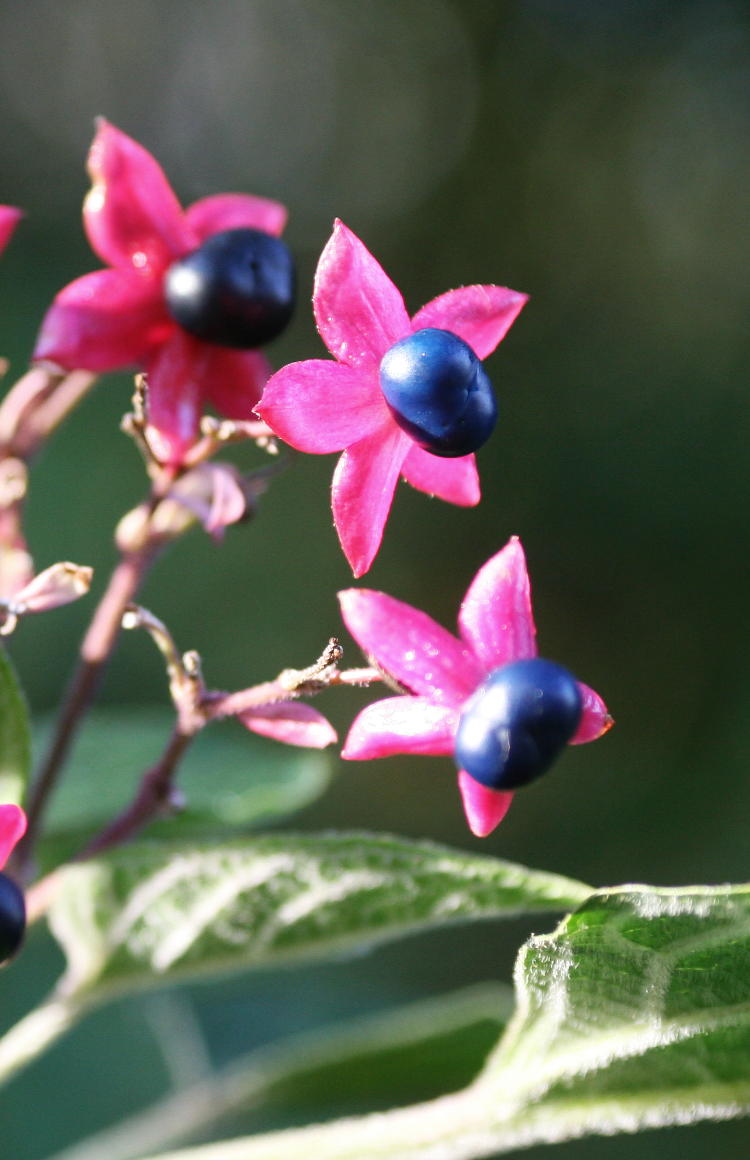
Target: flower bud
[57,585]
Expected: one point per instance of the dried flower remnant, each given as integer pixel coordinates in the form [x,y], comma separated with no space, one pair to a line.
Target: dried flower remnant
[57,585]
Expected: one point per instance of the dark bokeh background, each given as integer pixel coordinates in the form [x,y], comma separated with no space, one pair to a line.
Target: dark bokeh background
[595,155]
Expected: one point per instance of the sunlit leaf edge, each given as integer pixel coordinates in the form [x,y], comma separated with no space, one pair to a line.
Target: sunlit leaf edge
[502,1111]
[153,912]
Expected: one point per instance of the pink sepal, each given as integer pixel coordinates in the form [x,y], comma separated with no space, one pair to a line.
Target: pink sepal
[401,725]
[364,482]
[320,406]
[292,722]
[595,719]
[406,643]
[131,214]
[9,219]
[495,616]
[104,321]
[484,808]
[480,315]
[12,829]
[231,211]
[174,397]
[232,381]
[454,480]
[358,310]
[497,628]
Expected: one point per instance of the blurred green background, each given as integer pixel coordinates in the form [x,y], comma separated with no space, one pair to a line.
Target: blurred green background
[594,154]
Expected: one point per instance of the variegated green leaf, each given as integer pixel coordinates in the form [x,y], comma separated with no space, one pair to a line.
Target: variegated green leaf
[634,1013]
[152,912]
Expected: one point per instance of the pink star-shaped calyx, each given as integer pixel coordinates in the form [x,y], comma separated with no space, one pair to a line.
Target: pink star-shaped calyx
[322,406]
[440,672]
[12,829]
[117,317]
[9,219]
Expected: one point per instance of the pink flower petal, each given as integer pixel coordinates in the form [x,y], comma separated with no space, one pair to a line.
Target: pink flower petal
[358,310]
[406,643]
[484,808]
[454,480]
[131,214]
[320,406]
[401,725]
[595,720]
[9,219]
[231,211]
[232,380]
[362,493]
[174,397]
[495,617]
[12,829]
[292,722]
[480,315]
[214,494]
[104,321]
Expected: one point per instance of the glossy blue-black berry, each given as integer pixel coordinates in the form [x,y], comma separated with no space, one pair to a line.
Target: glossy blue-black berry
[516,723]
[12,918]
[438,392]
[237,289]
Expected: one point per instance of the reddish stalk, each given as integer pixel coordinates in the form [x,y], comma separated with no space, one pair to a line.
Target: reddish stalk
[156,795]
[95,652]
[217,705]
[196,707]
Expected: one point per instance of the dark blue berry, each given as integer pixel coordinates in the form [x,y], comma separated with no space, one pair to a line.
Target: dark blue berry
[517,722]
[237,289]
[12,918]
[438,392]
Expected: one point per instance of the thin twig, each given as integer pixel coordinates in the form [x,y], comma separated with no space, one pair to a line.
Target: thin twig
[217,705]
[156,795]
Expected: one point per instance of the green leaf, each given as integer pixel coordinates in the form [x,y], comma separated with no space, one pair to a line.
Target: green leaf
[154,912]
[391,1058]
[394,1057]
[229,778]
[15,743]
[634,1013]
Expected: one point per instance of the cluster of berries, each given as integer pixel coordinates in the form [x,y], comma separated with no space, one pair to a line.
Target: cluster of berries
[189,297]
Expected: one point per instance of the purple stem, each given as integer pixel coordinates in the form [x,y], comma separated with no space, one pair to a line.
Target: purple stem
[154,796]
[95,651]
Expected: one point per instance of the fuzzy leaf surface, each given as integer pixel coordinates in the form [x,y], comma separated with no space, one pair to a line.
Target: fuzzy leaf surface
[634,1013]
[152,912]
